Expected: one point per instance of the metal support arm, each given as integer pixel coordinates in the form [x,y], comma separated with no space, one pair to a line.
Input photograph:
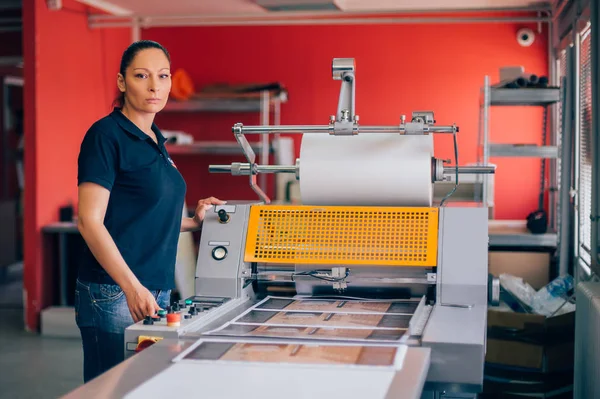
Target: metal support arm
[408,129]
[345,122]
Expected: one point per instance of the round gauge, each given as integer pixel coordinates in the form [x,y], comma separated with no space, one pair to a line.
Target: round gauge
[219,253]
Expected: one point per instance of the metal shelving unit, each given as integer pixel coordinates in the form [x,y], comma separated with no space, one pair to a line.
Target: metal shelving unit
[524,150]
[264,103]
[7,83]
[492,96]
[211,147]
[223,104]
[514,234]
[469,190]
[526,97]
[528,240]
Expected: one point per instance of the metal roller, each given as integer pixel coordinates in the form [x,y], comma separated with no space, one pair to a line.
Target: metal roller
[244,169]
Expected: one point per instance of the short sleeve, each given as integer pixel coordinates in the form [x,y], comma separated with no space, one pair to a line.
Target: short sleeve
[98,159]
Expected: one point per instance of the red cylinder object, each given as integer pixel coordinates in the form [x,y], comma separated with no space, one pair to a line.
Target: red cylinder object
[173,319]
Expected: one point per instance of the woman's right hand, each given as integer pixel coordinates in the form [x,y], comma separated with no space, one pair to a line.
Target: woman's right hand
[141,302]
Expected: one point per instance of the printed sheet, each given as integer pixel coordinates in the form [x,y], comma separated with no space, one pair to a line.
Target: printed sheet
[323,319]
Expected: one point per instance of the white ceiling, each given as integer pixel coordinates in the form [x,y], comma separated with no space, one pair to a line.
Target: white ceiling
[229,8]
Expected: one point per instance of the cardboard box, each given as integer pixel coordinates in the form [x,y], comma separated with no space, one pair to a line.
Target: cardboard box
[532,267]
[531,341]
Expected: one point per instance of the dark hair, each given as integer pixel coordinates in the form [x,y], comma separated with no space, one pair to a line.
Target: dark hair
[127,58]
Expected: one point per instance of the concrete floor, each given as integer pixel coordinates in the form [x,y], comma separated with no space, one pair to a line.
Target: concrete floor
[32,366]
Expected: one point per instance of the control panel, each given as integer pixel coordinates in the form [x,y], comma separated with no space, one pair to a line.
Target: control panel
[220,265]
[170,322]
[183,310]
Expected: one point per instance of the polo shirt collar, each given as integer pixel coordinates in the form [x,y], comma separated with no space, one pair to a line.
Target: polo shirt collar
[131,128]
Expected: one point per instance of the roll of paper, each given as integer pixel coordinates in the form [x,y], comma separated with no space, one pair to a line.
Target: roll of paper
[366,169]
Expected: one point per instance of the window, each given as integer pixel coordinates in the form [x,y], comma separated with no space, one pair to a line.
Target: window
[585,147]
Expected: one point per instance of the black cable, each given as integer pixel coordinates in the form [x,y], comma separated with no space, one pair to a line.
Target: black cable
[315,274]
[455,170]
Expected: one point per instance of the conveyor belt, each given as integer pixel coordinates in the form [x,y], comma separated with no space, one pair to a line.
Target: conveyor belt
[323,319]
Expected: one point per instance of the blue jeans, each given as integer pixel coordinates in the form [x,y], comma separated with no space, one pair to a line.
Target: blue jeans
[102,315]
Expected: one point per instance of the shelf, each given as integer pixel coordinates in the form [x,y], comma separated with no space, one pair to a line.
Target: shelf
[220,104]
[533,97]
[523,150]
[61,227]
[210,147]
[465,192]
[548,240]
[514,233]
[9,61]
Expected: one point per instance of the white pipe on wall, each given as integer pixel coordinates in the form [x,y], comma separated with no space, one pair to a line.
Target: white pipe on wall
[326,18]
[150,23]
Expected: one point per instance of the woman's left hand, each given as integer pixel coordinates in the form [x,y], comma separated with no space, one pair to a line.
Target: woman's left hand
[204,205]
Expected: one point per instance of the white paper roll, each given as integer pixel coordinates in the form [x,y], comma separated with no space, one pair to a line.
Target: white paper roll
[366,169]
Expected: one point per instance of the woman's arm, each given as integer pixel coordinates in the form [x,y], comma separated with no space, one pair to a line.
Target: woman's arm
[193,224]
[189,224]
[93,201]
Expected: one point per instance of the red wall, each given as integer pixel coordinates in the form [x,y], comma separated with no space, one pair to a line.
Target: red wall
[70,75]
[400,68]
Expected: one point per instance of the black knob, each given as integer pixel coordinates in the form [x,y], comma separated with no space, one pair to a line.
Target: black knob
[148,320]
[187,316]
[223,216]
[193,310]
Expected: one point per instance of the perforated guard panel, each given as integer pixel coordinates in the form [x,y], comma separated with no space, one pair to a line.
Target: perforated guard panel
[384,236]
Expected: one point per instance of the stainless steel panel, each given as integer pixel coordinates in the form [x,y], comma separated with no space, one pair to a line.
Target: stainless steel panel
[222,277]
[587,345]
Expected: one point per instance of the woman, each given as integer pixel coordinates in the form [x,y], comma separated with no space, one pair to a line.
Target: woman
[131,200]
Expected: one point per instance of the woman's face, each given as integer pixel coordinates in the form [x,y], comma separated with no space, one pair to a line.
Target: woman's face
[147,81]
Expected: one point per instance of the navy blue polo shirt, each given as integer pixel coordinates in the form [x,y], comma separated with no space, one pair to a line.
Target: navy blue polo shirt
[146,199]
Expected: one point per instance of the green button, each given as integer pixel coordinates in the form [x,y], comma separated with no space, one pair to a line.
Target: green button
[162,313]
[188,302]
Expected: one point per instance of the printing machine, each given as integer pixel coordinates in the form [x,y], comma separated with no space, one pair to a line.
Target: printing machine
[426,267]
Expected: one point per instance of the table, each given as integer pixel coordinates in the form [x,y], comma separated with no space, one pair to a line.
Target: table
[124,378]
[62,230]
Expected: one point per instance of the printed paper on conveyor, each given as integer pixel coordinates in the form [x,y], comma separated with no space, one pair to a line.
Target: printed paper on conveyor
[277,352]
[321,319]
[330,319]
[320,333]
[338,305]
